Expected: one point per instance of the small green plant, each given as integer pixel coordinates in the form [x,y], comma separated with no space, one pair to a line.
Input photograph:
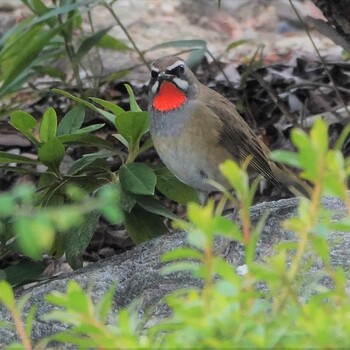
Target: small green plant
[32,231]
[143,214]
[230,311]
[7,298]
[54,32]
[51,32]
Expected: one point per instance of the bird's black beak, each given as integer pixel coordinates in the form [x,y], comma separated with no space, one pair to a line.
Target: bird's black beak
[163,76]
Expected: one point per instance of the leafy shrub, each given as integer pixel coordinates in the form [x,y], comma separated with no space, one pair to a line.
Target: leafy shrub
[50,31]
[230,311]
[143,214]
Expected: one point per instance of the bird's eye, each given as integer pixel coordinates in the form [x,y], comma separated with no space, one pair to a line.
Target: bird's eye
[154,74]
[181,69]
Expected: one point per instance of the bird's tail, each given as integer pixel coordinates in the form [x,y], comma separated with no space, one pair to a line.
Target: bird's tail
[299,187]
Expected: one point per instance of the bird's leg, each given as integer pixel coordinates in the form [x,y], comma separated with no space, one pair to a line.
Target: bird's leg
[203,197]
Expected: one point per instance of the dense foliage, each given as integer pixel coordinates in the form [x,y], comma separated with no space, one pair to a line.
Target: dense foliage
[230,310]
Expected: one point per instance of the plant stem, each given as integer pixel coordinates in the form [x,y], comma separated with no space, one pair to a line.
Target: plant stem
[114,15]
[20,329]
[208,266]
[70,53]
[304,238]
[100,61]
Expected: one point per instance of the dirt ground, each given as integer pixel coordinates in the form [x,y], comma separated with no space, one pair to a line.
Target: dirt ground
[271,23]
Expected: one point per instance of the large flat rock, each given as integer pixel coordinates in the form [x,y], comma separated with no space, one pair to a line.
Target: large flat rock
[137,272]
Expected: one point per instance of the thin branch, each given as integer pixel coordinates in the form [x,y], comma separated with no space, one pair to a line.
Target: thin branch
[274,98]
[114,15]
[312,84]
[96,79]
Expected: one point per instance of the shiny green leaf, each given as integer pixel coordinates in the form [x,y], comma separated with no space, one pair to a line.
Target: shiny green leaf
[48,125]
[72,121]
[137,178]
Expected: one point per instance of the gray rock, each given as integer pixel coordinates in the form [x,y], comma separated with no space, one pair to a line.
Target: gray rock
[136,272]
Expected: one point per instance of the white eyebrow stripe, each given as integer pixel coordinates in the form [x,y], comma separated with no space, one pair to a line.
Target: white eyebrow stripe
[155,69]
[182,84]
[155,87]
[177,63]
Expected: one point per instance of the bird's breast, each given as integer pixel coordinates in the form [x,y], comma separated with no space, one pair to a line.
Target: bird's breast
[188,147]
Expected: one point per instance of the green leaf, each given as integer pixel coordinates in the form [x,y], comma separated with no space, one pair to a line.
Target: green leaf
[180,43]
[12,49]
[51,72]
[319,136]
[27,55]
[171,187]
[195,58]
[182,253]
[54,13]
[39,7]
[342,225]
[30,319]
[336,175]
[16,83]
[48,125]
[79,239]
[35,235]
[111,209]
[137,178]
[24,271]
[121,139]
[87,160]
[154,206]
[51,153]
[107,115]
[235,44]
[72,121]
[115,109]
[308,155]
[24,123]
[88,44]
[7,204]
[237,178]
[180,266]
[127,200]
[7,296]
[86,139]
[111,43]
[132,125]
[15,346]
[90,128]
[76,99]
[134,107]
[142,225]
[286,157]
[6,158]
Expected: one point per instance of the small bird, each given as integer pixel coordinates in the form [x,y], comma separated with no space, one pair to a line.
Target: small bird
[195,129]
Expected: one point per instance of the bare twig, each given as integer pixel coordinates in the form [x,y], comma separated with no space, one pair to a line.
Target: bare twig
[114,15]
[312,84]
[275,98]
[96,80]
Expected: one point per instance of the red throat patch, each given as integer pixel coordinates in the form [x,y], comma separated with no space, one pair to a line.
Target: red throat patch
[169,97]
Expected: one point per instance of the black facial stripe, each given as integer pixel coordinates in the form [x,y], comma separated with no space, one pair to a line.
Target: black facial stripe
[178,70]
[154,74]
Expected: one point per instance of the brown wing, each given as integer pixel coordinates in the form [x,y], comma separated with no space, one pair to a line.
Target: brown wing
[240,140]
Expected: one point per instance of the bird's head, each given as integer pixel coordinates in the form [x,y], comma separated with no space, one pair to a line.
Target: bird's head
[172,84]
